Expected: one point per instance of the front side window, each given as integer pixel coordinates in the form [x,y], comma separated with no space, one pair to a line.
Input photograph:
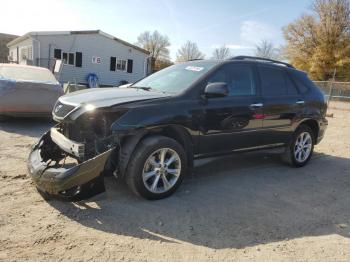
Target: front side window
[239,79]
[176,78]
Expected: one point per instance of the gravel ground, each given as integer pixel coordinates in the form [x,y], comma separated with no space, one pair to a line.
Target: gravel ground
[242,207]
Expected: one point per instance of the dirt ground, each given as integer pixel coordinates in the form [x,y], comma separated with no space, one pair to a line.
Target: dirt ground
[238,208]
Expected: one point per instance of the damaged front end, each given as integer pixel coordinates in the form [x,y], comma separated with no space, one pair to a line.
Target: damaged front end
[73,156]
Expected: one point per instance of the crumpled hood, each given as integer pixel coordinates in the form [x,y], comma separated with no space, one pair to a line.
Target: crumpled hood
[104,97]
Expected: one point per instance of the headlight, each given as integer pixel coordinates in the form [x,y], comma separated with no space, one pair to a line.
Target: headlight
[89,107]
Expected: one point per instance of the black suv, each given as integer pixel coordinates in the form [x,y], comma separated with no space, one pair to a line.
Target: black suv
[150,132]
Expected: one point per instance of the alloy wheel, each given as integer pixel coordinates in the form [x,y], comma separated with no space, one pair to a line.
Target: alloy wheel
[162,170]
[303,147]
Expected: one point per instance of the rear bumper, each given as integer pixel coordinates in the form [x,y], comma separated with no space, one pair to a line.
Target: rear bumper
[55,179]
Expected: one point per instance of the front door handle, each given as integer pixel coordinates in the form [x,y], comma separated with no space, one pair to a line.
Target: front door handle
[300,102]
[257,105]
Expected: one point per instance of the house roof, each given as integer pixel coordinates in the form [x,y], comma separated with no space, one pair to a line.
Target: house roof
[85,32]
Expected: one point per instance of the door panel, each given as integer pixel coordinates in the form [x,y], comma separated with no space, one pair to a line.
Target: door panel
[230,123]
[281,104]
[279,116]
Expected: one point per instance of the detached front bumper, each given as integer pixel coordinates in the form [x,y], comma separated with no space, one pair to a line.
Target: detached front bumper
[57,179]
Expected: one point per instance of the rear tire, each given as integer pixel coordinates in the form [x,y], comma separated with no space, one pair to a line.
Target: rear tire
[299,150]
[156,168]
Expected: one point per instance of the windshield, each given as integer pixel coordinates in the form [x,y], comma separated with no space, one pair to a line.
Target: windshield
[176,78]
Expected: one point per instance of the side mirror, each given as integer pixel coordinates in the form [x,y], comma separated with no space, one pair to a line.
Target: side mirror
[217,89]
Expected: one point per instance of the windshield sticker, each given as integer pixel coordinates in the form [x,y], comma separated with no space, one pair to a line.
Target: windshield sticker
[194,68]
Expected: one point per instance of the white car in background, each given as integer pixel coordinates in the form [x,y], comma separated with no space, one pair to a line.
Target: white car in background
[27,91]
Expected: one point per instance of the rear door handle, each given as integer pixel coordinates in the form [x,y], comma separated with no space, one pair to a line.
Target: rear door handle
[300,102]
[257,105]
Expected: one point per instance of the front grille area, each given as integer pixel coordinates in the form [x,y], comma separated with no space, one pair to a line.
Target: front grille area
[61,110]
[90,129]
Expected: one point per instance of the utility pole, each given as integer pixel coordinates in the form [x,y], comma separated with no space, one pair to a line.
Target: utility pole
[331,88]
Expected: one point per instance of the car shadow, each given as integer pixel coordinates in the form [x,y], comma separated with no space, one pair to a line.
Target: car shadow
[28,126]
[235,201]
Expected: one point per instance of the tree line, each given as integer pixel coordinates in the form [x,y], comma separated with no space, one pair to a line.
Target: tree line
[317,42]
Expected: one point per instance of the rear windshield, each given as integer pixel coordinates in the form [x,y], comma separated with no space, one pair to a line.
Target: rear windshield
[29,74]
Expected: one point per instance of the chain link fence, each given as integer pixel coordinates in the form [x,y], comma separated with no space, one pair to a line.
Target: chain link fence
[335,91]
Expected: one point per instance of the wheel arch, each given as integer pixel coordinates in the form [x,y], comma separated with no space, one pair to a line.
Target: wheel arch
[178,133]
[314,125]
[181,135]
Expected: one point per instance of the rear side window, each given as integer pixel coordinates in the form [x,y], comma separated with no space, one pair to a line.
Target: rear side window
[275,82]
[291,89]
[239,79]
[302,81]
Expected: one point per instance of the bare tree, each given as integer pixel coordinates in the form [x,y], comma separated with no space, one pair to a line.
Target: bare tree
[156,43]
[221,53]
[158,46]
[266,49]
[162,63]
[189,51]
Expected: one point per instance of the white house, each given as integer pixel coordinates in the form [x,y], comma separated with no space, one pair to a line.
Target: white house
[113,60]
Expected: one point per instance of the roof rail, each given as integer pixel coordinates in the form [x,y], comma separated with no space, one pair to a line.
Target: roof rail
[242,57]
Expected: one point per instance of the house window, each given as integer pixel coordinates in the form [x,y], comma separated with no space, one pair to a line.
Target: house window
[130,65]
[118,64]
[57,53]
[64,58]
[30,53]
[68,58]
[121,64]
[71,58]
[78,59]
[24,53]
[112,64]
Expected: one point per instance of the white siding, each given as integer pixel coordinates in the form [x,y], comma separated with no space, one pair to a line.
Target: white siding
[92,45]
[27,43]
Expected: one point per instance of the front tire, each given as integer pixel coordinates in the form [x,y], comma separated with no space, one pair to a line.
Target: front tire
[300,148]
[156,168]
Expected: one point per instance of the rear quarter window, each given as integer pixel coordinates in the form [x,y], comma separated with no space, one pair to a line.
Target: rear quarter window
[302,81]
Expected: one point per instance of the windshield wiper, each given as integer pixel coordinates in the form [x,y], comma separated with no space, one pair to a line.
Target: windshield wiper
[147,88]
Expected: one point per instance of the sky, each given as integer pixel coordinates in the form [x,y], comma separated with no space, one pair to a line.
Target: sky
[240,25]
